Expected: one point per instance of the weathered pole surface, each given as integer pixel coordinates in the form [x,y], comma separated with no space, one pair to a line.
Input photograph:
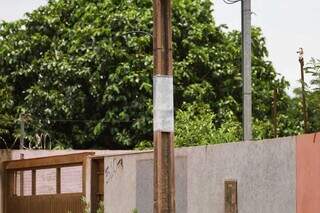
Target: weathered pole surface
[246,69]
[274,113]
[304,106]
[163,121]
[22,131]
[21,178]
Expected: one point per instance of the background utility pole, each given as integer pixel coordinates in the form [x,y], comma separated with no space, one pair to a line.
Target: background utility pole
[246,69]
[274,113]
[163,119]
[304,106]
[22,132]
[21,178]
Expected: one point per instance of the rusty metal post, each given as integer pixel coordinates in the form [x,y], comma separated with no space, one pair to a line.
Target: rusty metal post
[163,121]
[304,105]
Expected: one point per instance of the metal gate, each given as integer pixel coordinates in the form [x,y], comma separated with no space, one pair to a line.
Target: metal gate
[97,182]
[46,185]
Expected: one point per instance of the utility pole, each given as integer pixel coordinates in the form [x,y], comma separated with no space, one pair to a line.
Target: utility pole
[163,119]
[21,178]
[304,106]
[274,113]
[22,131]
[246,69]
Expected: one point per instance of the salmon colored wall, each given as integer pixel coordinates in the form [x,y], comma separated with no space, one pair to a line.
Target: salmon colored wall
[308,173]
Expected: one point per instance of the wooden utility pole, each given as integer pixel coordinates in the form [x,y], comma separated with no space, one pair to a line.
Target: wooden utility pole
[163,119]
[21,178]
[304,105]
[22,131]
[246,69]
[274,113]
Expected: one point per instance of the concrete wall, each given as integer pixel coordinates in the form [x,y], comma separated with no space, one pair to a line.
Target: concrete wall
[265,171]
[129,183]
[120,182]
[308,173]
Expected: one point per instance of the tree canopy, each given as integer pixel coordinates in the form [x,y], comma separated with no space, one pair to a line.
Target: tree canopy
[82,72]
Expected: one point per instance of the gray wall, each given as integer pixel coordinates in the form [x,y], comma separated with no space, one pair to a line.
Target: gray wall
[265,172]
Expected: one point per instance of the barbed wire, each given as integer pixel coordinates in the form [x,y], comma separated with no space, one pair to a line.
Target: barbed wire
[48,120]
[231,1]
[4,142]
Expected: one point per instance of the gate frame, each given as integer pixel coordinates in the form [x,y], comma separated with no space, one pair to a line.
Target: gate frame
[34,164]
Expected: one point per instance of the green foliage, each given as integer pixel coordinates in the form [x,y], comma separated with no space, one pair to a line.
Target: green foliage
[314,111]
[313,96]
[6,118]
[262,129]
[143,145]
[100,207]
[313,68]
[83,71]
[195,126]
[87,207]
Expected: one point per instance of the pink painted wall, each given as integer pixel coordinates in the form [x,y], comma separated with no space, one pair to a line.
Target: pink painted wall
[308,173]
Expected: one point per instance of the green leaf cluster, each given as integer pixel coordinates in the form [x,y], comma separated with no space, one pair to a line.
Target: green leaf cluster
[313,95]
[195,126]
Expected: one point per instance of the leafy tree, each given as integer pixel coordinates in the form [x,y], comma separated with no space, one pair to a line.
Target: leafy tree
[6,119]
[194,126]
[313,68]
[83,69]
[313,96]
